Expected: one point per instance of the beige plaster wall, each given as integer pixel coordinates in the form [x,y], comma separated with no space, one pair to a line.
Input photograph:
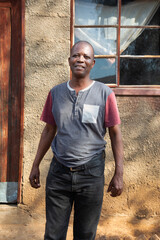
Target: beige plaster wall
[47,50]
[140,126]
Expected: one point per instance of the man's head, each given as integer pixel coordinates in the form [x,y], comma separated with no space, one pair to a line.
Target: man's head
[83,43]
[81,59]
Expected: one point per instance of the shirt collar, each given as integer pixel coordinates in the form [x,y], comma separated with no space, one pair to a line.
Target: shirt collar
[71,89]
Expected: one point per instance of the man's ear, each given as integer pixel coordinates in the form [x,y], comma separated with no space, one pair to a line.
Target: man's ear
[93,63]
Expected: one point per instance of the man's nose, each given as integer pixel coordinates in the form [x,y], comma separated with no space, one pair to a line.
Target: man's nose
[81,58]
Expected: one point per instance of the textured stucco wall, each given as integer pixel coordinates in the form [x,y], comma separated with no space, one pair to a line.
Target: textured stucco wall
[140,126]
[47,50]
[46,53]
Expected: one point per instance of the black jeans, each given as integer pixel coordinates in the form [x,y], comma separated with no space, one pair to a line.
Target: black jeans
[84,188]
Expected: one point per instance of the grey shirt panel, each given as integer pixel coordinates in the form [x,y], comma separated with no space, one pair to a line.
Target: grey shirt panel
[80,123]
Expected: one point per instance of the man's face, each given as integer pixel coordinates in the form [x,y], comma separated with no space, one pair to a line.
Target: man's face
[81,60]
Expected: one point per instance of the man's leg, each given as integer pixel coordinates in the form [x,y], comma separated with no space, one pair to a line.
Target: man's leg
[58,209]
[59,203]
[88,203]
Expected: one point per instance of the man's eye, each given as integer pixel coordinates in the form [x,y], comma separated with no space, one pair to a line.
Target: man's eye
[87,57]
[75,55]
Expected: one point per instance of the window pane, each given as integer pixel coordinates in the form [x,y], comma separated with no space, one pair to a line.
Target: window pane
[103,40]
[139,12]
[155,19]
[104,70]
[140,71]
[95,12]
[140,42]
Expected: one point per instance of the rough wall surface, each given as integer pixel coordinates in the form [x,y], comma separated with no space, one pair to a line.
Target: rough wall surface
[47,50]
[140,118]
[46,60]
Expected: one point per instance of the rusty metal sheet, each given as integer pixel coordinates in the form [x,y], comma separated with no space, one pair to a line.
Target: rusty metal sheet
[5,48]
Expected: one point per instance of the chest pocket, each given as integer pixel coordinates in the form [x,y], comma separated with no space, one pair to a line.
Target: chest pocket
[90,113]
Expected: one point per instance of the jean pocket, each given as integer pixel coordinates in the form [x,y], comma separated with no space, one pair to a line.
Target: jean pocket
[56,168]
[96,171]
[53,167]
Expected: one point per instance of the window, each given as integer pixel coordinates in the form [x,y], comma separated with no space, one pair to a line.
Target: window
[125,35]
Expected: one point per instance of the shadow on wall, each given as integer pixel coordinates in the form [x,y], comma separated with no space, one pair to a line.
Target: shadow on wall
[143,216]
[140,128]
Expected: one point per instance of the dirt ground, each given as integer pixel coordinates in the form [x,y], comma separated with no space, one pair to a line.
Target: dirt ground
[17,223]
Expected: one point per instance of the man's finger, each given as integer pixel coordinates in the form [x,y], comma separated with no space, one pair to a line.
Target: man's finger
[34,184]
[34,181]
[37,179]
[115,192]
[109,188]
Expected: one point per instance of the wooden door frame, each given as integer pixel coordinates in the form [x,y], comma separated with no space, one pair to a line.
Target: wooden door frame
[17,79]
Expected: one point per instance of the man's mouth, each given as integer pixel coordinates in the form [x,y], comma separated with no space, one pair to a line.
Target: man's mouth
[79,67]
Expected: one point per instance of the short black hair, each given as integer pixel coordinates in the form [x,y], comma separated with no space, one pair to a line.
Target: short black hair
[85,43]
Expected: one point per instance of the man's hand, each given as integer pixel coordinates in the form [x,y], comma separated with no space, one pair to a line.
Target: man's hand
[116,186]
[34,177]
[47,136]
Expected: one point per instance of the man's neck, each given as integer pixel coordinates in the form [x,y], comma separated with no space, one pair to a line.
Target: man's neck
[79,84]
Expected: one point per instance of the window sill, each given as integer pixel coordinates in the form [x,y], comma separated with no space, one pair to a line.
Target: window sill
[137,91]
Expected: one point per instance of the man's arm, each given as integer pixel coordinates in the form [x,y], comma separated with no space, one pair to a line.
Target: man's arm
[47,136]
[116,184]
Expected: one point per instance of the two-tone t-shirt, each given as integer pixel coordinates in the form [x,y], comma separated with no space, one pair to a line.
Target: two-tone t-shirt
[81,121]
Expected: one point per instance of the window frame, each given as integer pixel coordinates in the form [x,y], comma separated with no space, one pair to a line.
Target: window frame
[139,90]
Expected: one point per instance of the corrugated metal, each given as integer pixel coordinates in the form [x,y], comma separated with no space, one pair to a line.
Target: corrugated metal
[5,48]
[8,190]
[11,90]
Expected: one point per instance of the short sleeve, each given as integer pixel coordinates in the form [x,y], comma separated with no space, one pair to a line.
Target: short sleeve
[112,117]
[47,115]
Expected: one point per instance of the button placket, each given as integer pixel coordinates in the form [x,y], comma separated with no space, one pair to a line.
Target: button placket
[76,104]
